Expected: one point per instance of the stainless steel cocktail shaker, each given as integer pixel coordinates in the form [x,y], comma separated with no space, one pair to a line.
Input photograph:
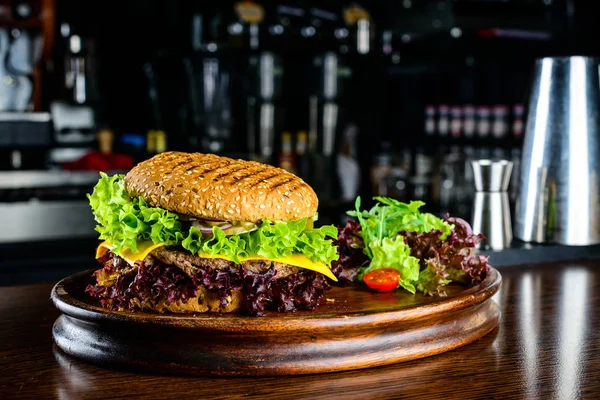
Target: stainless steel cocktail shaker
[559,187]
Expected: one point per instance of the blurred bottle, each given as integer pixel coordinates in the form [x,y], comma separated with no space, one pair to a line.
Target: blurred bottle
[250,14]
[483,121]
[161,141]
[500,122]
[361,27]
[382,165]
[456,126]
[151,142]
[469,123]
[429,120]
[106,139]
[302,157]
[156,141]
[518,121]
[286,159]
[443,125]
[347,163]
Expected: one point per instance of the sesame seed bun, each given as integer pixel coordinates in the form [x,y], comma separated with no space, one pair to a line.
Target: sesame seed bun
[211,186]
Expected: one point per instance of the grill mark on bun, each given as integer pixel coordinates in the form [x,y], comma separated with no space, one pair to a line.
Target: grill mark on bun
[229,170]
[279,184]
[252,173]
[210,186]
[238,178]
[202,172]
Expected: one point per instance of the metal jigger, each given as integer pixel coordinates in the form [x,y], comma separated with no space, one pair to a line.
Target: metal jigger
[491,212]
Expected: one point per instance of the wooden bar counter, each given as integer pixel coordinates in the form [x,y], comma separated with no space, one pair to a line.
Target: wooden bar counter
[546,346]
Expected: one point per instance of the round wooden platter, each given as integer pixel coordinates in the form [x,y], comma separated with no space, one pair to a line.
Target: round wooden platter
[353,328]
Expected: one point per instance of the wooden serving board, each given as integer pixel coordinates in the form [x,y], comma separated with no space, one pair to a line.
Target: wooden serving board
[355,328]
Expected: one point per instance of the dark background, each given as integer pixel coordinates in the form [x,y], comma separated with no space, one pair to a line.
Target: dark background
[386,92]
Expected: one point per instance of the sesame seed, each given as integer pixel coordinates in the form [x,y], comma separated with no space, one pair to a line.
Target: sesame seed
[262,206]
[230,211]
[237,198]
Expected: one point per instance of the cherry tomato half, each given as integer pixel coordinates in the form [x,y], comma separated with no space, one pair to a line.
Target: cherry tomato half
[382,279]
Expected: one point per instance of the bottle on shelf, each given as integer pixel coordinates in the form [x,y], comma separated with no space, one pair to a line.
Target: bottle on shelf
[500,121]
[347,164]
[430,120]
[443,123]
[469,122]
[518,120]
[286,155]
[483,121]
[302,156]
[456,126]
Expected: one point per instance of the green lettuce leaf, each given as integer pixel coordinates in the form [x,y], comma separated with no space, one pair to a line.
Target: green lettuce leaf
[123,220]
[394,253]
[381,228]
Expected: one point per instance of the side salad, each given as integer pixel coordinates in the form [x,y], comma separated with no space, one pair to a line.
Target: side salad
[395,245]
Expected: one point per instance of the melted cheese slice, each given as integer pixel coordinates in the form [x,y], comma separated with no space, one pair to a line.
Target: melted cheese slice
[145,247]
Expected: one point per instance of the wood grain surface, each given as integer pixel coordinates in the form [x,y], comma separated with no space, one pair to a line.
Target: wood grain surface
[356,328]
[546,346]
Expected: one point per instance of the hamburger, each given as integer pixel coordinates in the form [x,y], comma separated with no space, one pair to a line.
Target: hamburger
[192,232]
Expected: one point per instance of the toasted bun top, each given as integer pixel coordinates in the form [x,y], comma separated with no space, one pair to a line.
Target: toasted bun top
[211,186]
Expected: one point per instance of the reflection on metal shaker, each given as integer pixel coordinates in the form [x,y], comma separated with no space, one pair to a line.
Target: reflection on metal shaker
[491,212]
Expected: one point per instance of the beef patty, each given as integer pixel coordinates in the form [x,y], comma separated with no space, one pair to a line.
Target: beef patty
[189,263]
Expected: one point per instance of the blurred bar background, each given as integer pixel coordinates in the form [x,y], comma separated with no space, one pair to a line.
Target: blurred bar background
[389,97]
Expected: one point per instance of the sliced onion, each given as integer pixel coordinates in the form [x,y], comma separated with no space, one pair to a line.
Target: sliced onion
[208,229]
[185,217]
[213,219]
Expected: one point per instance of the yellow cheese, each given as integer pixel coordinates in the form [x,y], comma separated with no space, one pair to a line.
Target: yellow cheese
[145,247]
[297,260]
